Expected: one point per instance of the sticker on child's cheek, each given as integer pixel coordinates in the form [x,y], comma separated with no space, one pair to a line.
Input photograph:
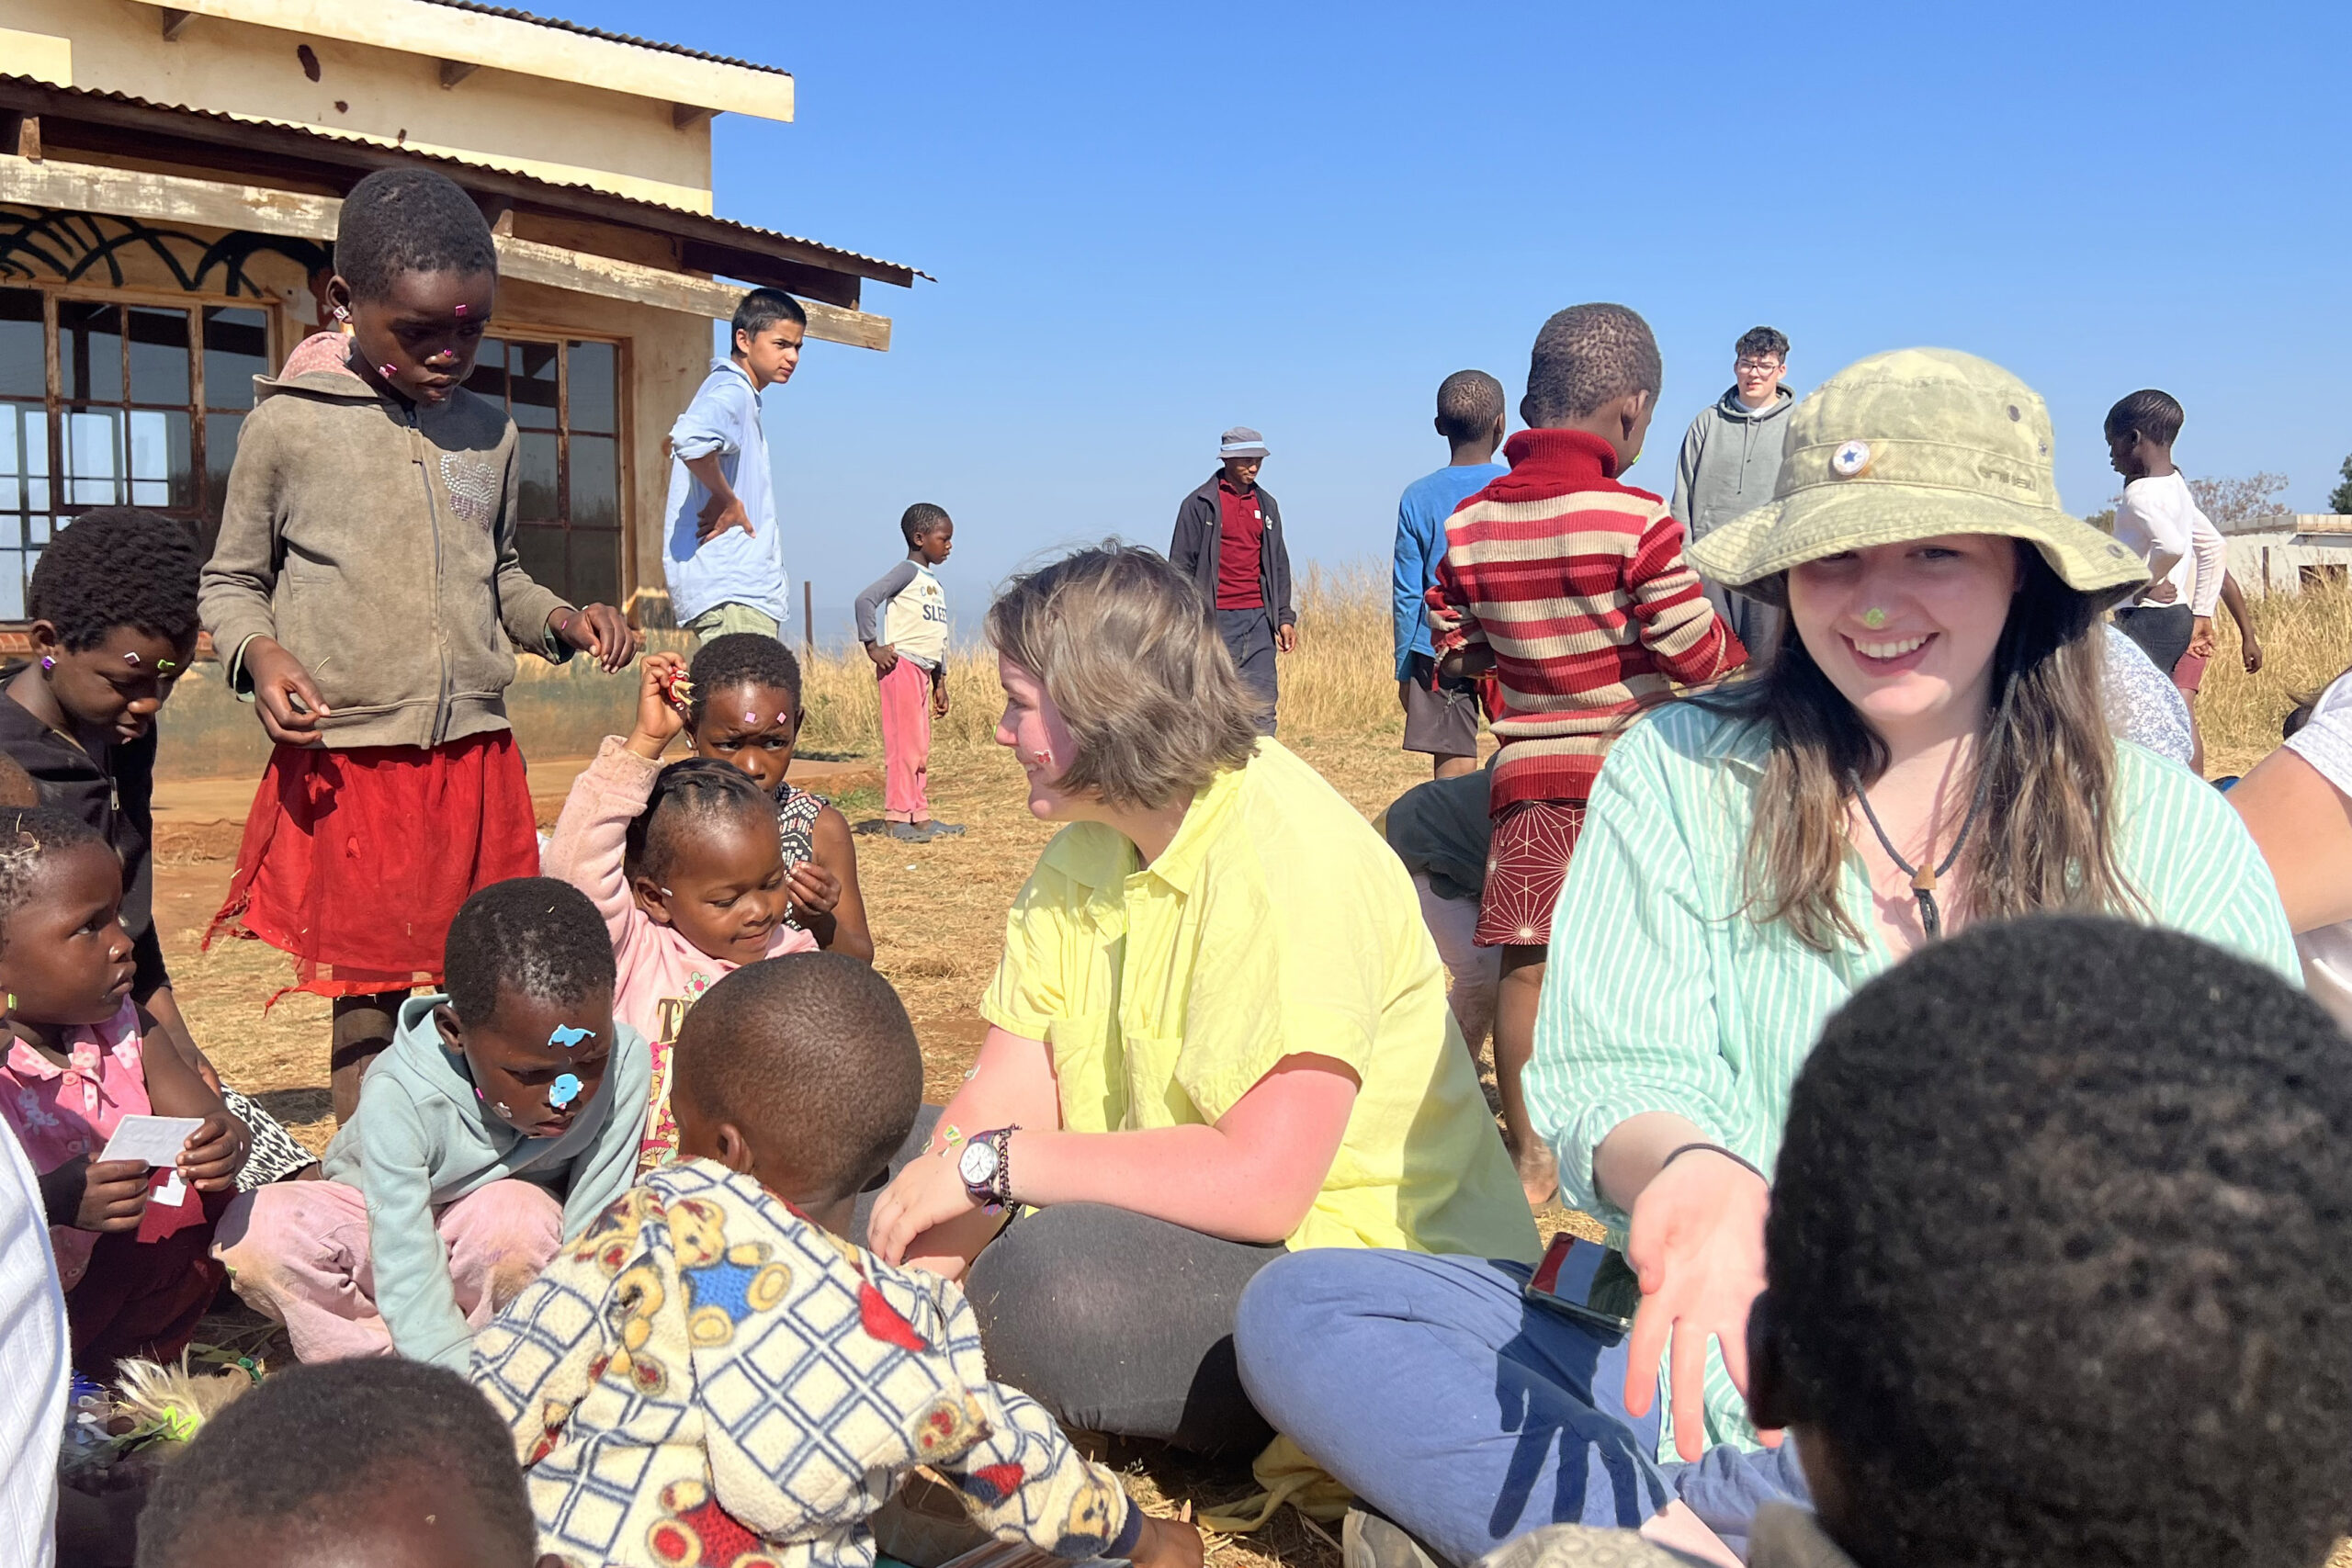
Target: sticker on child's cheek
[563,1091]
[567,1036]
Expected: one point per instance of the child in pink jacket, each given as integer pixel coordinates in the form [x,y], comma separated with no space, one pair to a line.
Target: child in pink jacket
[686,865]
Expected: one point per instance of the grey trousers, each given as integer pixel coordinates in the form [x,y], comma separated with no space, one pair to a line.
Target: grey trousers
[1249,636]
[1754,623]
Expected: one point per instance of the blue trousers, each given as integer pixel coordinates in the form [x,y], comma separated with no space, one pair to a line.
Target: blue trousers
[1444,1400]
[1249,636]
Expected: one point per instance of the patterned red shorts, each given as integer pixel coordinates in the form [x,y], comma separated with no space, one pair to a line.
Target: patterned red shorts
[1526,863]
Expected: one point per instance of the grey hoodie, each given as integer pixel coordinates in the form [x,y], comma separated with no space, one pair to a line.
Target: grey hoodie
[1730,460]
[422,1139]
[375,541]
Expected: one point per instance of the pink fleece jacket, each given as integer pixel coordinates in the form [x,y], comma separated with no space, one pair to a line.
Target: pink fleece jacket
[661,974]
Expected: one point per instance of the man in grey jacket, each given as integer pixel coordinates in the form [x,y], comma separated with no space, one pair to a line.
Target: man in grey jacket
[1730,458]
[1229,540]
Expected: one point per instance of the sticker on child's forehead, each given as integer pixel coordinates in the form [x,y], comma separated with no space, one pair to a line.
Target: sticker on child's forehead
[567,1036]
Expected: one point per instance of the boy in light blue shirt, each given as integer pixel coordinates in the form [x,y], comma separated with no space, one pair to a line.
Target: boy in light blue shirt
[722,550]
[1441,713]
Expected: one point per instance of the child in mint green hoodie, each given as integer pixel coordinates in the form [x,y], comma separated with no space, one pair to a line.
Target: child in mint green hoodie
[502,1120]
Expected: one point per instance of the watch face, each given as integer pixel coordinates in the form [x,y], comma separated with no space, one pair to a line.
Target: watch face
[977,1165]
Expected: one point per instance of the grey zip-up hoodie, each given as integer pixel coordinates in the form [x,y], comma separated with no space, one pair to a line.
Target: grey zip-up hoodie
[1730,460]
[375,541]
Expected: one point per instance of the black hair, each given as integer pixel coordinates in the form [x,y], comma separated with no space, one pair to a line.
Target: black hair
[532,935]
[2149,412]
[1468,404]
[764,308]
[1587,355]
[2059,1255]
[740,659]
[689,793]
[118,565]
[1757,342]
[920,519]
[302,1451]
[814,1051]
[29,838]
[399,221]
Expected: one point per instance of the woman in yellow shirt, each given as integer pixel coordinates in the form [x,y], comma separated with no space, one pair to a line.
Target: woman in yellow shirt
[1218,1030]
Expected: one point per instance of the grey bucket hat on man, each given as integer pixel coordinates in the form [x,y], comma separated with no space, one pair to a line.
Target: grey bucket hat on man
[1907,445]
[1241,441]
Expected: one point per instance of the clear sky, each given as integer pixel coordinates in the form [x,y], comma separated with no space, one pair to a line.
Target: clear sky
[1150,223]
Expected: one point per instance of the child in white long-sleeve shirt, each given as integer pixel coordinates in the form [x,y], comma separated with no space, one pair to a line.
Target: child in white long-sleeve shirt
[686,865]
[2160,520]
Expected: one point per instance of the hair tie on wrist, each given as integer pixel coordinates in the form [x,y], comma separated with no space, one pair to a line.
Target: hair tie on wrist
[1747,1165]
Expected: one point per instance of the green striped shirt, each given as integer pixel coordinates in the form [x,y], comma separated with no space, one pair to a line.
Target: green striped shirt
[1659,995]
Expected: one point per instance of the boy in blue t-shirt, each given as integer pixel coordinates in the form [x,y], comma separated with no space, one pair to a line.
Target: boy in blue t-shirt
[1441,713]
[720,547]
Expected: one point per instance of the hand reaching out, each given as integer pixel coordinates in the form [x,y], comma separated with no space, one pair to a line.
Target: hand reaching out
[658,719]
[1697,1244]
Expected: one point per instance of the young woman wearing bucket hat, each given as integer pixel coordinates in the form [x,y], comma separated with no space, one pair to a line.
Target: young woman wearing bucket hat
[1925,749]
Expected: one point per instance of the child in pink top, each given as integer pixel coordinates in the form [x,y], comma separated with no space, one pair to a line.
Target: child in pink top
[685,863]
[131,1244]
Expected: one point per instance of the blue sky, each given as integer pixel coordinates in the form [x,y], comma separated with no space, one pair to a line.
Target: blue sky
[1150,223]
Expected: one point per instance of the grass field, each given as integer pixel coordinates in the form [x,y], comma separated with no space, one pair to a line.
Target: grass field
[938,908]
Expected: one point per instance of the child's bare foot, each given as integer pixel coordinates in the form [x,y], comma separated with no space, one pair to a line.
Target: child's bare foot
[1539,1174]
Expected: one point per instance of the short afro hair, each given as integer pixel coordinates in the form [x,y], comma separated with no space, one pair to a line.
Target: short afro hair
[533,935]
[1468,404]
[740,659]
[1585,357]
[764,308]
[31,839]
[920,519]
[118,565]
[399,220]
[1757,342]
[2059,1255]
[301,1452]
[813,1055]
[2149,412]
[689,794]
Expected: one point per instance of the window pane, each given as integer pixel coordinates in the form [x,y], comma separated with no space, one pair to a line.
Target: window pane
[236,349]
[536,453]
[93,457]
[24,371]
[595,482]
[595,569]
[163,460]
[541,550]
[593,367]
[488,380]
[12,471]
[15,566]
[220,431]
[159,355]
[531,367]
[89,346]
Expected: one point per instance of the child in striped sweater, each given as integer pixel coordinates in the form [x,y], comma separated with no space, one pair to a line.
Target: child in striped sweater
[1571,587]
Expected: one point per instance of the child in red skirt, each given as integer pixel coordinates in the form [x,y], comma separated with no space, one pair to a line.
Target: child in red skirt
[132,1245]
[367,594]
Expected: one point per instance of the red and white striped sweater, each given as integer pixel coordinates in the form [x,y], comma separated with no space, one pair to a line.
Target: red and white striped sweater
[1578,585]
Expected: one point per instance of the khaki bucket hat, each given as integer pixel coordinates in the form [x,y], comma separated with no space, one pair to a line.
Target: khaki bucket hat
[1907,445]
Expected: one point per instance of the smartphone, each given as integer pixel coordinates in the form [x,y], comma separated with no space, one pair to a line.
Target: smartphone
[1588,1283]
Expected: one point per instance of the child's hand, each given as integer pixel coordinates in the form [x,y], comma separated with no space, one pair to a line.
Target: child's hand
[885,657]
[939,699]
[114,1194]
[214,1153]
[2201,639]
[601,630]
[284,694]
[658,718]
[2250,650]
[1167,1543]
[814,889]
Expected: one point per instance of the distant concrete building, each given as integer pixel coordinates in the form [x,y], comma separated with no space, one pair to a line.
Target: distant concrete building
[2284,552]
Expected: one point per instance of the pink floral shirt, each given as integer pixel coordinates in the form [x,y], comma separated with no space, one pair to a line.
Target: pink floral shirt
[60,1113]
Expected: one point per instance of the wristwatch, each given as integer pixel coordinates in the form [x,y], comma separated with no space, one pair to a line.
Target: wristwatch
[988,1175]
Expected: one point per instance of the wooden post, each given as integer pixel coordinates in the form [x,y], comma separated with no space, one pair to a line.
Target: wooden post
[807,621]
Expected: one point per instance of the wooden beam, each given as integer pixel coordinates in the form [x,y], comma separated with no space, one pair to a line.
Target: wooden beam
[28,143]
[175,22]
[685,117]
[130,193]
[456,71]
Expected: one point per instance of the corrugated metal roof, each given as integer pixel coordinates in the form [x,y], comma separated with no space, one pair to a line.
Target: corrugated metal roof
[511,13]
[656,213]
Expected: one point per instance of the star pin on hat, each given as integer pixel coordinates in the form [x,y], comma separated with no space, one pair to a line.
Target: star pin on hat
[1241,441]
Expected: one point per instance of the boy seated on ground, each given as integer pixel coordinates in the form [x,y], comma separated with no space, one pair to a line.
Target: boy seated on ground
[2058,1269]
[391,1463]
[504,1117]
[761,1384]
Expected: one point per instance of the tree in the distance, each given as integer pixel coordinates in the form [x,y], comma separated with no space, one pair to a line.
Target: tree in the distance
[2227,501]
[2339,500]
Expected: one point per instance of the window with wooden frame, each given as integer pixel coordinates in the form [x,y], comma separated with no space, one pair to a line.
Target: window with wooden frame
[564,397]
[113,399]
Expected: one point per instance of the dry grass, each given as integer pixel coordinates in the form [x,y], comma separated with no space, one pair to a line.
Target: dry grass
[938,908]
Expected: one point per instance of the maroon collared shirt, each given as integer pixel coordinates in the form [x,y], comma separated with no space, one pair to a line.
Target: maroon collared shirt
[1241,548]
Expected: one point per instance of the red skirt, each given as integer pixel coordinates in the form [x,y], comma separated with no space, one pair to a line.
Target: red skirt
[355,862]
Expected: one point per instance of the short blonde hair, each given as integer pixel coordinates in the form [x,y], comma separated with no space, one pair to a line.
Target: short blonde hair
[1124,646]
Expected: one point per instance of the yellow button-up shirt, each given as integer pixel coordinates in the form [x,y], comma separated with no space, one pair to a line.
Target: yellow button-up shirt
[1276,923]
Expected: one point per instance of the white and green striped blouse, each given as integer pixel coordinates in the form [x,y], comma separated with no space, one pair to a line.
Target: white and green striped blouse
[1660,994]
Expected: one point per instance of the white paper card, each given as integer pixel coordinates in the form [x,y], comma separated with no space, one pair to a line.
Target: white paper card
[151,1140]
[172,1193]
